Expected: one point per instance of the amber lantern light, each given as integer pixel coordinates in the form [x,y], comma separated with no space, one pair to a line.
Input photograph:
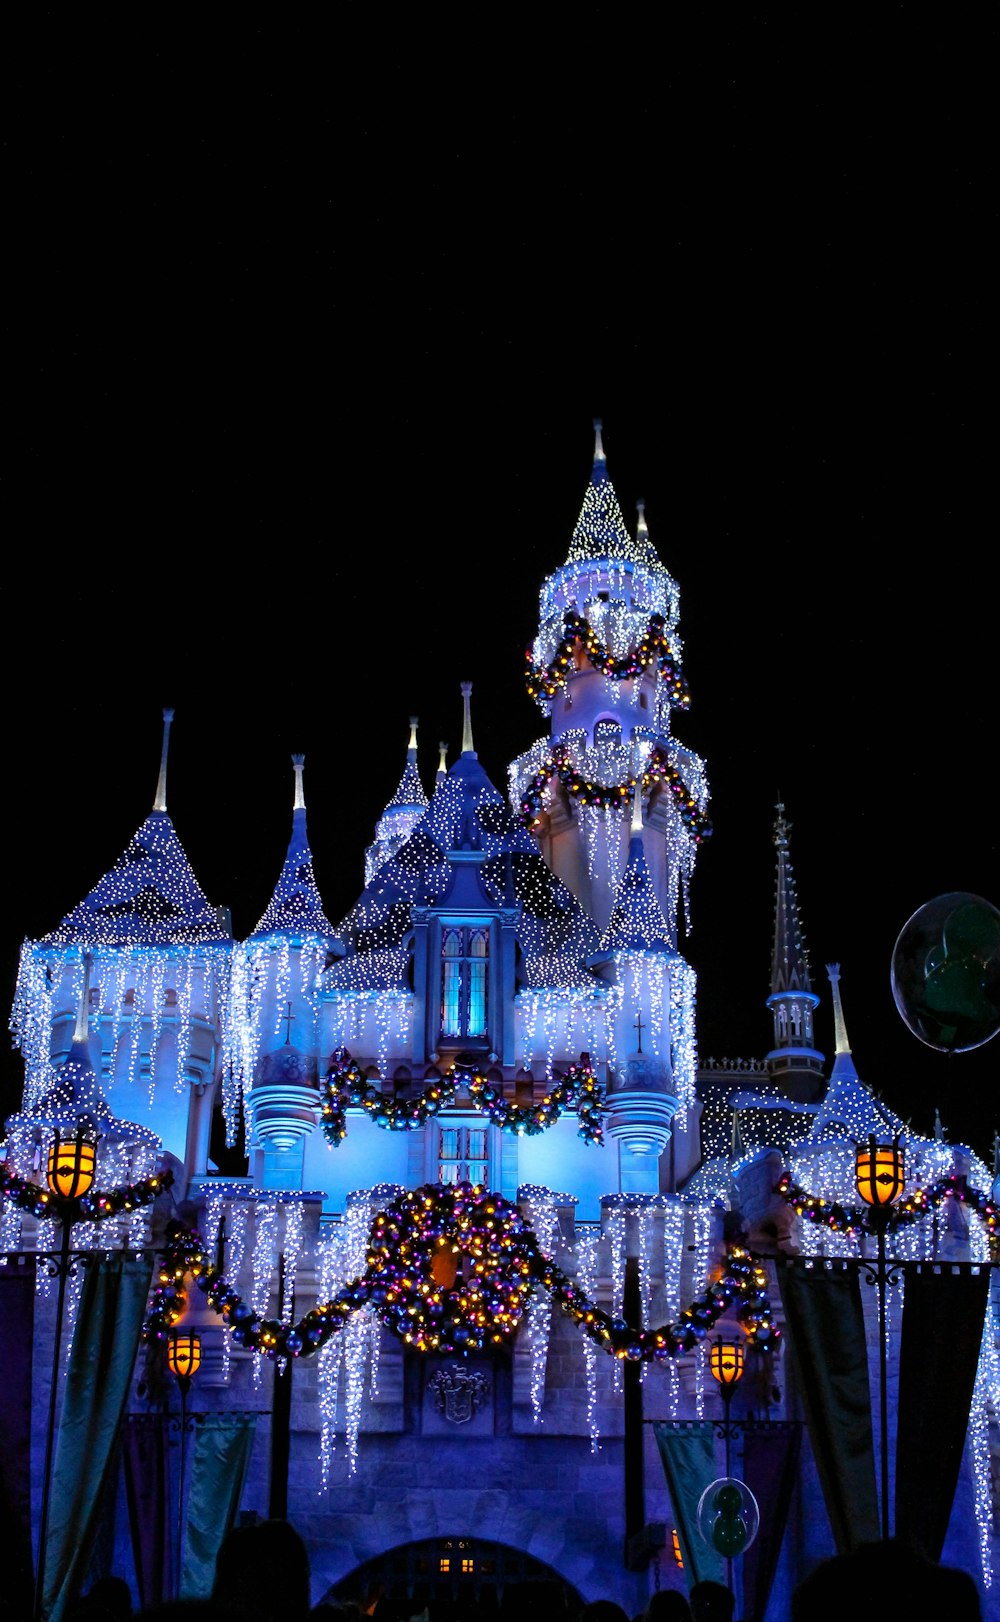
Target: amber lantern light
[184,1355]
[880,1172]
[726,1363]
[71,1165]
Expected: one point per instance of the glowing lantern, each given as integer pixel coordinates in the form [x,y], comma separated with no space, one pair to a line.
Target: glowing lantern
[71,1165]
[726,1363]
[879,1172]
[184,1354]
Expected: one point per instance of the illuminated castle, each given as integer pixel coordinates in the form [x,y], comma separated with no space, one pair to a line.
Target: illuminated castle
[507,1005]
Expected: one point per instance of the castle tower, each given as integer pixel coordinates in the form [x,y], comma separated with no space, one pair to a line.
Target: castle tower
[155,958]
[402,813]
[606,668]
[653,1035]
[794,1063]
[282,964]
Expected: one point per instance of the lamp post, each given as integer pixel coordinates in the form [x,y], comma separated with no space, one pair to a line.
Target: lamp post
[880,1178]
[183,1361]
[725,1360]
[69,1172]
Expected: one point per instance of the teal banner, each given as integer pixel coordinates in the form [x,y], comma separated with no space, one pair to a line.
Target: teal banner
[687,1452]
[223,1444]
[109,1321]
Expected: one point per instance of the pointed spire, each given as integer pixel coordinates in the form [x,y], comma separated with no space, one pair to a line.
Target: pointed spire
[794,1062]
[401,814]
[299,804]
[841,1044]
[296,908]
[150,897]
[81,1030]
[789,961]
[635,831]
[160,802]
[641,531]
[637,922]
[442,770]
[600,460]
[467,748]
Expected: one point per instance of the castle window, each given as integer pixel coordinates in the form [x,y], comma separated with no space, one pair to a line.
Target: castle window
[464,980]
[463,1154]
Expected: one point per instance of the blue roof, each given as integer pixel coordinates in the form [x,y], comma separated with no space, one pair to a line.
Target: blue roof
[295,907]
[149,898]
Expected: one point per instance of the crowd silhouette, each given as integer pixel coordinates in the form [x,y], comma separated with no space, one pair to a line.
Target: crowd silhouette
[262,1574]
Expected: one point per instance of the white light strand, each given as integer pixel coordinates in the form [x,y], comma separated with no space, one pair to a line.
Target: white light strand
[587,1241]
[703,1226]
[292,1250]
[674,1225]
[617,1228]
[266,1217]
[543,1216]
[985,1396]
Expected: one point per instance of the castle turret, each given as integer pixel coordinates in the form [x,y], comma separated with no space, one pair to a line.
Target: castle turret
[402,813]
[158,957]
[606,668]
[653,1021]
[282,963]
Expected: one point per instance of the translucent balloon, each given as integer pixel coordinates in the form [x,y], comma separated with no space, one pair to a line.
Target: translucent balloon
[728,1516]
[946,972]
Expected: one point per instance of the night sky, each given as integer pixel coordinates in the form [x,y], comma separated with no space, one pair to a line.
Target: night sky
[305,336]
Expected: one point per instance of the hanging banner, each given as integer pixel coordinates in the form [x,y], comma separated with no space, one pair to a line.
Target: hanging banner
[944,1311]
[98,1375]
[771,1453]
[145,1455]
[687,1452]
[826,1334]
[222,1447]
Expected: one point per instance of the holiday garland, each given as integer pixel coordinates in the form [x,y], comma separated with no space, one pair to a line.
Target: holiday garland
[450,1269]
[853,1220]
[578,1089]
[96,1206]
[545,681]
[612,796]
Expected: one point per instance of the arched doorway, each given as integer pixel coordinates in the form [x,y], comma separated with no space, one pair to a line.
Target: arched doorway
[461,1580]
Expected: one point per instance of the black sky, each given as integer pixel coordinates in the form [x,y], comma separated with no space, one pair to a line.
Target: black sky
[305,335]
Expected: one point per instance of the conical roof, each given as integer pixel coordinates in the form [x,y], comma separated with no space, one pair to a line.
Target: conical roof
[600,530]
[296,907]
[637,922]
[150,897]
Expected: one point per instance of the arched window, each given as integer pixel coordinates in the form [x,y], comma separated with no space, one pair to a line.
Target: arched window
[465,952]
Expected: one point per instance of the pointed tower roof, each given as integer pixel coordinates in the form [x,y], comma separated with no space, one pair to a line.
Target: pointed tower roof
[843,1062]
[794,1062]
[295,908]
[150,897]
[402,813]
[637,922]
[789,962]
[600,530]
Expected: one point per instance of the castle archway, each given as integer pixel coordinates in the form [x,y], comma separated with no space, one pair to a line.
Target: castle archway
[459,1578]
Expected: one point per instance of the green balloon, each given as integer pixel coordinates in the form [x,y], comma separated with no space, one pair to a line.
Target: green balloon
[728,1500]
[729,1535]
